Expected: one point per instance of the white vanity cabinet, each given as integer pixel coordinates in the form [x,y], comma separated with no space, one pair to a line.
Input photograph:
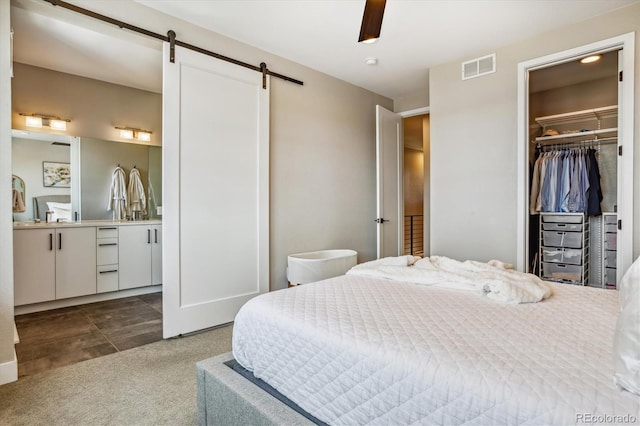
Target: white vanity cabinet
[75,263]
[107,258]
[34,266]
[53,263]
[140,255]
[156,254]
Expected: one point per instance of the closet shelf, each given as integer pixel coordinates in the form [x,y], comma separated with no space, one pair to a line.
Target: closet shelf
[578,136]
[577,116]
[595,115]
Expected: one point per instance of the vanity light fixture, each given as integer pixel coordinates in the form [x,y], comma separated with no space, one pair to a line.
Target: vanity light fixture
[40,120]
[132,133]
[126,133]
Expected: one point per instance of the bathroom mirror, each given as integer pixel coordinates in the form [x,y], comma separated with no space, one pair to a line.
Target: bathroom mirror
[92,162]
[31,152]
[99,158]
[19,193]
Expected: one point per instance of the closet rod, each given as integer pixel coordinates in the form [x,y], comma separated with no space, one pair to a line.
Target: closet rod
[580,144]
[121,24]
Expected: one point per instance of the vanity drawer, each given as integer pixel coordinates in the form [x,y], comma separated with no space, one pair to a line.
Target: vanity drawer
[107,278]
[107,251]
[562,239]
[107,232]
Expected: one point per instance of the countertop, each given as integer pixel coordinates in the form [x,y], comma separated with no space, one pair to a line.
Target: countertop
[83,223]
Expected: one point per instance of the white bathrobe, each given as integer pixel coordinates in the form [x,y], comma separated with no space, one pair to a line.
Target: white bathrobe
[135,193]
[118,195]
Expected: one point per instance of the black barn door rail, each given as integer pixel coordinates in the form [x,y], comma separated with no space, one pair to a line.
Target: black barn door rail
[171,38]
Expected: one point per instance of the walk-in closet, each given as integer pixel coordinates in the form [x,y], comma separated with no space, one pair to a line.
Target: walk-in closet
[573,152]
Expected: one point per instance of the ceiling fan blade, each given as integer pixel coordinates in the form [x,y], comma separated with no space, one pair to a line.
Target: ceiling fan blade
[372,20]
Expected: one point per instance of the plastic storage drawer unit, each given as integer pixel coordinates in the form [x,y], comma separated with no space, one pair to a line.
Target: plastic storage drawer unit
[610,241]
[560,255]
[562,218]
[562,239]
[571,273]
[568,227]
[610,277]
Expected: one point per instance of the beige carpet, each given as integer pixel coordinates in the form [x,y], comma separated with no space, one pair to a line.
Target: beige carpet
[148,385]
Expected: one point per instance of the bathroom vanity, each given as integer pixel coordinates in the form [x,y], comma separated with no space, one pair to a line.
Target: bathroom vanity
[55,261]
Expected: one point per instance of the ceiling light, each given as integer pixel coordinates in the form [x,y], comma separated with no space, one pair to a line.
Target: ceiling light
[590,59]
[40,120]
[371,61]
[370,40]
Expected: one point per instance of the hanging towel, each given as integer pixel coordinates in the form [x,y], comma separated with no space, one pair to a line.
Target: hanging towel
[118,195]
[18,202]
[135,193]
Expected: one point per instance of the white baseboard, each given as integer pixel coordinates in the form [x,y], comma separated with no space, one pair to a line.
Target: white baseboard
[9,370]
[74,301]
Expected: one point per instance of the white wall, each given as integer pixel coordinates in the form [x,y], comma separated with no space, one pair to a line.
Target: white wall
[473,142]
[94,107]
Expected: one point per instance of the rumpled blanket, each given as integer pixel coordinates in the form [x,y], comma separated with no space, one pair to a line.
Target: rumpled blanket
[495,279]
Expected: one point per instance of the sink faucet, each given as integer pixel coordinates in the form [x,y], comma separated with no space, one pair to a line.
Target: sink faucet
[60,219]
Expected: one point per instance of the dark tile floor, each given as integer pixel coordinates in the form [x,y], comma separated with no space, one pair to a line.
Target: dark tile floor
[64,336]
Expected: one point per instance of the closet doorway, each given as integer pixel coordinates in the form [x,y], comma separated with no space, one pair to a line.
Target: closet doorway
[416,185]
[575,189]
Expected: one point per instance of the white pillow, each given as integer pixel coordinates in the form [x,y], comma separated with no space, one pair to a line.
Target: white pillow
[60,211]
[626,343]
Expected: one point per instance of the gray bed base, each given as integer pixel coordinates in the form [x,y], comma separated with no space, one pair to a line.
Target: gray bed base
[227,398]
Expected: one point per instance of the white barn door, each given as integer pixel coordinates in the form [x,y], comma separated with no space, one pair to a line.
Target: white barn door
[215,190]
[389,184]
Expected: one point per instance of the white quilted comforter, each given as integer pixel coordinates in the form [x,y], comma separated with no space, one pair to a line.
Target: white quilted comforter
[356,350]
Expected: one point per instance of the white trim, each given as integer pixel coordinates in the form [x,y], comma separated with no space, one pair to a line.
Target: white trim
[414,112]
[9,370]
[625,137]
[8,363]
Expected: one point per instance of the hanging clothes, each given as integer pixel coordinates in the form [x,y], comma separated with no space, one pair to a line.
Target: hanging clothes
[566,181]
[118,195]
[135,193]
[594,195]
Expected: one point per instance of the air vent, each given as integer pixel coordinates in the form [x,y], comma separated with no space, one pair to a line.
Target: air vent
[479,66]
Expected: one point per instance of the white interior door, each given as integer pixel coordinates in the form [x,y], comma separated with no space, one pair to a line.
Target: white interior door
[215,190]
[389,160]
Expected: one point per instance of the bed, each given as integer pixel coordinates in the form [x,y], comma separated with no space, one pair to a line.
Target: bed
[366,350]
[40,206]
